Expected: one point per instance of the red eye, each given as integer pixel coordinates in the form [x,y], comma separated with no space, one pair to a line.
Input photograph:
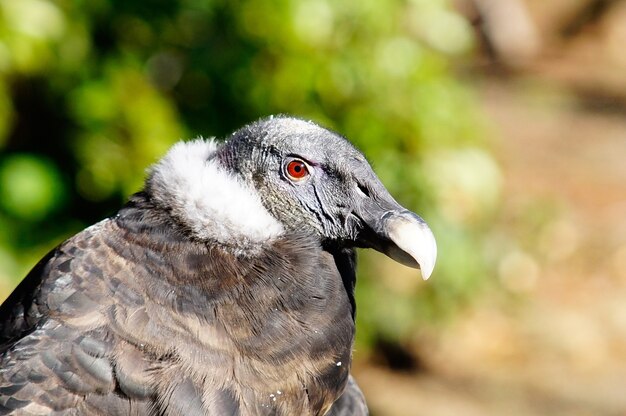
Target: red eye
[297,170]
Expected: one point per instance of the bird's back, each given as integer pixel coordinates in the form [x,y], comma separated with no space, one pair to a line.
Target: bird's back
[55,350]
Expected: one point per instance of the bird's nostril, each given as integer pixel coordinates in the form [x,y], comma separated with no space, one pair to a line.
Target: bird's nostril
[363,189]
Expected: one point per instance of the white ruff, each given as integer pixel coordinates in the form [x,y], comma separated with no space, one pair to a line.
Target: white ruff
[214,204]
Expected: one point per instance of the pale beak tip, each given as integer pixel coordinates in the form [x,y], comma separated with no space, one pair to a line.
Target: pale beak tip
[427,255]
[427,270]
[413,237]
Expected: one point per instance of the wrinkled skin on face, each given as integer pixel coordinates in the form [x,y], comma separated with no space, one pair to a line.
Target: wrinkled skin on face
[339,196]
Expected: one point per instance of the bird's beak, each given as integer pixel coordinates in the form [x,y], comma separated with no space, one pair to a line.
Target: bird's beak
[410,241]
[399,233]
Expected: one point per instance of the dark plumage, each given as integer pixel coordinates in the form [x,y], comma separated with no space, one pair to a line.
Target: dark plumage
[225,287]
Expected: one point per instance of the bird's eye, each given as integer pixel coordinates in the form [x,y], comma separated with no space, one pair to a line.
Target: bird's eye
[297,170]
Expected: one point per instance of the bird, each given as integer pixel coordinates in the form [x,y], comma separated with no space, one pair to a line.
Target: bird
[224,287]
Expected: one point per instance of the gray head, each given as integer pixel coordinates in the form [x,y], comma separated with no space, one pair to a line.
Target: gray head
[312,179]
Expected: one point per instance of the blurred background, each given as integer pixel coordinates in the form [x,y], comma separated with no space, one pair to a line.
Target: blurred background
[501,122]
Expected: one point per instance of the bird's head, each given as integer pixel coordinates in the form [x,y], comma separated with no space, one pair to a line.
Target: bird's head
[312,179]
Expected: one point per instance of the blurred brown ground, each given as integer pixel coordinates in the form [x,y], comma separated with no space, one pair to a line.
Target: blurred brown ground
[550,339]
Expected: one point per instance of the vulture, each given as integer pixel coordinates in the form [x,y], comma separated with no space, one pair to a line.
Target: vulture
[224,287]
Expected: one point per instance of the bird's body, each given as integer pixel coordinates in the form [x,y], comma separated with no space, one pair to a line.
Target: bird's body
[210,292]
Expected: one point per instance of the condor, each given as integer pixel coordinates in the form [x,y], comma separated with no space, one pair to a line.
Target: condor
[225,287]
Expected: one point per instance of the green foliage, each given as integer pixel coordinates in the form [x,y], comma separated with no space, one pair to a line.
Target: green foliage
[93,92]
[29,187]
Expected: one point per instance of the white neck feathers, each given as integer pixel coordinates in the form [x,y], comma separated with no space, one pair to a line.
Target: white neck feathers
[213,203]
